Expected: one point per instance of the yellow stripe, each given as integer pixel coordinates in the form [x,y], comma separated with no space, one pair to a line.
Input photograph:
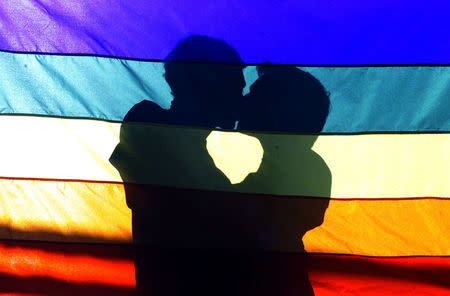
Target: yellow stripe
[97,212]
[362,166]
[387,165]
[53,148]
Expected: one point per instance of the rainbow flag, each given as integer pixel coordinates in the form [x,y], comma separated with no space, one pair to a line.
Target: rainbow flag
[93,155]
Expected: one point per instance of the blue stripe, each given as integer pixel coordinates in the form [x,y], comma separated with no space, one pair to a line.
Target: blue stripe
[363,99]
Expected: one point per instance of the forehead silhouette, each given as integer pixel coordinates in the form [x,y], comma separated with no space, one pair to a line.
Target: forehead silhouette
[212,91]
[195,81]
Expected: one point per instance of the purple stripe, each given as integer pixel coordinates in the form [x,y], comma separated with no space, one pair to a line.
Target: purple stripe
[289,31]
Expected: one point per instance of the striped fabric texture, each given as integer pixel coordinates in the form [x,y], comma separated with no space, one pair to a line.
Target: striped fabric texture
[93,190]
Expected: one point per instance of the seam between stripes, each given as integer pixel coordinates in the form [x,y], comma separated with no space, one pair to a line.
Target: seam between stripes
[424,131]
[383,65]
[129,245]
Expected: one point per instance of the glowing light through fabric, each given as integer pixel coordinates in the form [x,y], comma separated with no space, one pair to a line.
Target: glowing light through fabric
[95,131]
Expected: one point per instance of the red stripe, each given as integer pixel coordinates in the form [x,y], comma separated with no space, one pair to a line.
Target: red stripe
[271,273]
[68,264]
[39,286]
[105,251]
[353,275]
[30,268]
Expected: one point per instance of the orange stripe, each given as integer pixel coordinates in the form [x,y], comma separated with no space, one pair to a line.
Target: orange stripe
[98,212]
[404,227]
[64,211]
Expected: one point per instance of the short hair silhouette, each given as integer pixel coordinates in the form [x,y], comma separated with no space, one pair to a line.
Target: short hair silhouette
[286,98]
[198,48]
[207,88]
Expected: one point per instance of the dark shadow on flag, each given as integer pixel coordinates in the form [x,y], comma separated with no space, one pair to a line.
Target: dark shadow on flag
[194,231]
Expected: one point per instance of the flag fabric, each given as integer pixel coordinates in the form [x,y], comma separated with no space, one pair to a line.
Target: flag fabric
[377,174]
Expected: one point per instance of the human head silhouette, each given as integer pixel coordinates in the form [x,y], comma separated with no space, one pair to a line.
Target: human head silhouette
[205,93]
[285,98]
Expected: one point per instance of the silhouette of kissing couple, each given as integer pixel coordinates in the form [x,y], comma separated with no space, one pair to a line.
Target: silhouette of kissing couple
[194,231]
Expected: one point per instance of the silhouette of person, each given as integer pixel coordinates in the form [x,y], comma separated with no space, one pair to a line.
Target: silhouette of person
[192,241]
[205,94]
[172,226]
[287,99]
